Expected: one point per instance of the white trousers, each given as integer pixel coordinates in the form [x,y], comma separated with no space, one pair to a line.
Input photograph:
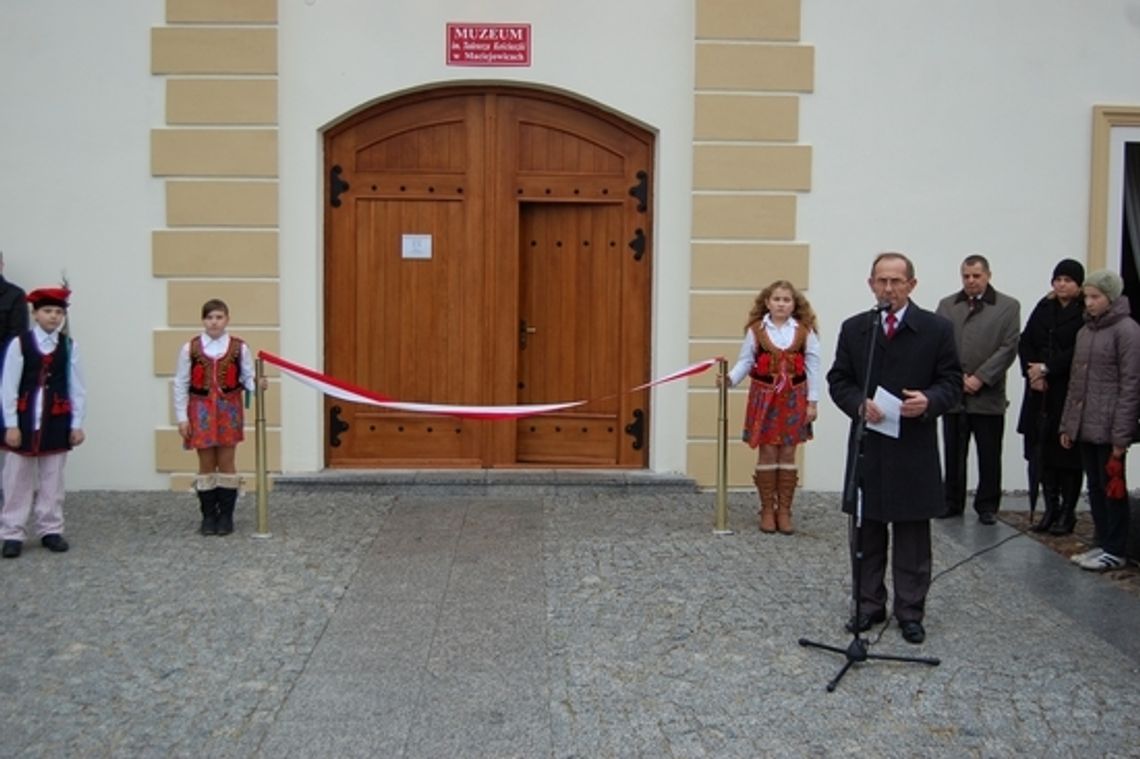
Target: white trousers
[33,485]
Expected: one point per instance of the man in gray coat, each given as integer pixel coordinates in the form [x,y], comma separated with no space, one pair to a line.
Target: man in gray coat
[987,326]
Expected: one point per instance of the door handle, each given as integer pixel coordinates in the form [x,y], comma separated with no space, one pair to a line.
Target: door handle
[524,330]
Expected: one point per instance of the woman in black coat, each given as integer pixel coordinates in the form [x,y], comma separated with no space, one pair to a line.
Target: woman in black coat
[1046,351]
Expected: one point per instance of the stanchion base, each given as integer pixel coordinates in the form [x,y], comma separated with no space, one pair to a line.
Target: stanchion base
[724,532]
[261,535]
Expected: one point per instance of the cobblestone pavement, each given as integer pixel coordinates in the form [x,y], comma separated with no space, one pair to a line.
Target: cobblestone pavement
[596,624]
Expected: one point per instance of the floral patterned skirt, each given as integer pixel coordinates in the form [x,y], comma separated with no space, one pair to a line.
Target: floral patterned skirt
[215,421]
[776,416]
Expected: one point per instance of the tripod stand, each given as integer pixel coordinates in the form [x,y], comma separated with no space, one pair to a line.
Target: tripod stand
[856,650]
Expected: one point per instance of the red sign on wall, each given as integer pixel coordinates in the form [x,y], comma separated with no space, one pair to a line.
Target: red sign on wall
[488,44]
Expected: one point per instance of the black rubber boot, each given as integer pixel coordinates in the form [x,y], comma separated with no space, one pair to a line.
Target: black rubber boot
[227,499]
[208,503]
[1070,487]
[1052,492]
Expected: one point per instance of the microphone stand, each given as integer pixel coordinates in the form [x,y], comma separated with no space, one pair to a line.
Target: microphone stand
[856,651]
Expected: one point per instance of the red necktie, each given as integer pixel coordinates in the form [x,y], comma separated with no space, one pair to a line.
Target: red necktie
[892,320]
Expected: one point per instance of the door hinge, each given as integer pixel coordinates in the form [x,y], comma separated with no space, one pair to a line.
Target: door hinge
[637,244]
[641,191]
[336,426]
[336,186]
[636,429]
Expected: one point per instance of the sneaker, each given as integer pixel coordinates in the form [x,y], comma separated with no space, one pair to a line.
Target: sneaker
[1102,562]
[1092,553]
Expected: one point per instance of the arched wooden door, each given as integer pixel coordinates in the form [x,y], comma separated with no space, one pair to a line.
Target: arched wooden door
[488,247]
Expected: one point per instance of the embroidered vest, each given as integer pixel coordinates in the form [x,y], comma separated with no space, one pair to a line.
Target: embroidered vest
[222,373]
[772,362]
[46,372]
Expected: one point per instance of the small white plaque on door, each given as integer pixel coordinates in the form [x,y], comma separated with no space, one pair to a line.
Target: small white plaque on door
[416,246]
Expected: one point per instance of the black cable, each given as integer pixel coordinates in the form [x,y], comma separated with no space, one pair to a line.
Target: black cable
[1021,531]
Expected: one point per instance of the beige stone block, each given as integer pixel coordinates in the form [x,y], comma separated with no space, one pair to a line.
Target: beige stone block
[719,316]
[753,265]
[746,117]
[741,465]
[752,167]
[221,204]
[702,463]
[770,217]
[235,50]
[759,67]
[705,349]
[171,457]
[221,11]
[221,101]
[213,152]
[207,253]
[748,19]
[168,342]
[703,412]
[251,304]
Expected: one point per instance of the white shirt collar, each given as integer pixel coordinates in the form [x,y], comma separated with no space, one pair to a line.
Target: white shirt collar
[43,337]
[789,324]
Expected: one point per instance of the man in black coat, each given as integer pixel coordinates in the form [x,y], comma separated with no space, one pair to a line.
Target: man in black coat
[915,360]
[13,309]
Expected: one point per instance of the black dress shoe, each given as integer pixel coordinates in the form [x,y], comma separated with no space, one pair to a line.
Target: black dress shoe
[11,549]
[867,621]
[987,517]
[912,632]
[54,543]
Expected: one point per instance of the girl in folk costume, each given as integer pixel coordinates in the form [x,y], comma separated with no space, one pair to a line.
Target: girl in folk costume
[44,401]
[780,353]
[213,370]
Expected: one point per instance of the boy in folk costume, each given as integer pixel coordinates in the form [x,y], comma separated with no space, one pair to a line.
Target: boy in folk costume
[213,370]
[44,399]
[780,353]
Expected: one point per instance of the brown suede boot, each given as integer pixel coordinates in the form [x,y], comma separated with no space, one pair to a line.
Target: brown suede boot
[765,480]
[786,481]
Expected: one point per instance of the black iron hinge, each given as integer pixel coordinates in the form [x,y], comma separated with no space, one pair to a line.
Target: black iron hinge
[336,186]
[636,429]
[641,191]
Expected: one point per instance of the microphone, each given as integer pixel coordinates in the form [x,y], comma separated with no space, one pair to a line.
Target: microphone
[881,307]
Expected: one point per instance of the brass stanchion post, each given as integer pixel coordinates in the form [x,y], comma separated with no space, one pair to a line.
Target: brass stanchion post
[721,525]
[262,453]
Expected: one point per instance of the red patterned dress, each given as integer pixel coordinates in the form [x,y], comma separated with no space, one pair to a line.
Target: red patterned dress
[215,403]
[777,397]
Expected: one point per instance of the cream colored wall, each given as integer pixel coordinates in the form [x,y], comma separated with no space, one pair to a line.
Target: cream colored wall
[939,131]
[749,168]
[632,57]
[948,129]
[77,196]
[217,155]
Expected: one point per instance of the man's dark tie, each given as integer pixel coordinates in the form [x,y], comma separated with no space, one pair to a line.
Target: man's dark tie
[892,322]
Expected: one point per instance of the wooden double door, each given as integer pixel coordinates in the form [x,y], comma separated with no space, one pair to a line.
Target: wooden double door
[488,248]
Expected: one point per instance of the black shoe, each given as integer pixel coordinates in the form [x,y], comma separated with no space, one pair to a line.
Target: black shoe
[11,549]
[912,632]
[1064,524]
[949,514]
[867,621]
[54,543]
[987,517]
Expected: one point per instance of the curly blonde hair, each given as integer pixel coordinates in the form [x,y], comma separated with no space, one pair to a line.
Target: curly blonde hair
[802,313]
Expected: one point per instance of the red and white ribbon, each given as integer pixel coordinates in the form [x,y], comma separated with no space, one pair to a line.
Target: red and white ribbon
[349,392]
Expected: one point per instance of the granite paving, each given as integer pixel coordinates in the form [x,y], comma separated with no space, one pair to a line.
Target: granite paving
[541,621]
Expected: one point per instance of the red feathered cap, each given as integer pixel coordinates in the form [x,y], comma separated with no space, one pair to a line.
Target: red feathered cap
[49,296]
